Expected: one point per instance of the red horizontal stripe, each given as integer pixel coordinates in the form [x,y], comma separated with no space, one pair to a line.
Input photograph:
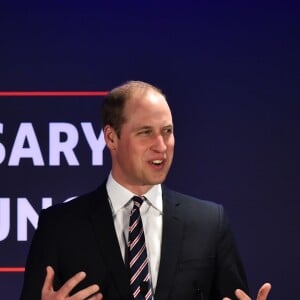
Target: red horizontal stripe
[11,269]
[52,93]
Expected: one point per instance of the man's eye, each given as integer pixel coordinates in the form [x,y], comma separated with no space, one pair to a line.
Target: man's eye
[168,131]
[145,132]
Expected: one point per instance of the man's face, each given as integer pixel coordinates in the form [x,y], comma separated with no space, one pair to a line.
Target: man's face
[143,154]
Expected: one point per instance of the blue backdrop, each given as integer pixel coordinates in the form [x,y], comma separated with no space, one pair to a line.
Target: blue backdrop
[231,74]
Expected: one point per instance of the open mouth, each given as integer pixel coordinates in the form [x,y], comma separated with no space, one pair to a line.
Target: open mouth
[157,162]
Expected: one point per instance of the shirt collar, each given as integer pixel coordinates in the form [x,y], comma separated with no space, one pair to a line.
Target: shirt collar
[119,196]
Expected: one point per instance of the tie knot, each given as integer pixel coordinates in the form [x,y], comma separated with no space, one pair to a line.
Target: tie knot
[138,201]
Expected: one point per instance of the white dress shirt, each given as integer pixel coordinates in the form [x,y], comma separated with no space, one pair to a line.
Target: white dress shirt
[151,214]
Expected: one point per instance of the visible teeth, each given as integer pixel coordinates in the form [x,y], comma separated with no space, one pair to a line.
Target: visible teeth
[157,162]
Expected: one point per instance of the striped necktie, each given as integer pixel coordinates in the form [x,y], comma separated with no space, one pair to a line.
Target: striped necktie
[137,255]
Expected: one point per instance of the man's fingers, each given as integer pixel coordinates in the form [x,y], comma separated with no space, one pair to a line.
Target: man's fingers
[48,283]
[91,292]
[264,291]
[71,283]
[242,295]
[261,295]
[99,296]
[87,292]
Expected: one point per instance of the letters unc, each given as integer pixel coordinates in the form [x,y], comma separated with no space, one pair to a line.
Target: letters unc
[25,214]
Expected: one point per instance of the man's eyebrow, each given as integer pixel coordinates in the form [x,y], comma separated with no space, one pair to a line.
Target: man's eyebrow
[168,126]
[143,127]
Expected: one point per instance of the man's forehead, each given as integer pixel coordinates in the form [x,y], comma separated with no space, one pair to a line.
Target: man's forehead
[144,92]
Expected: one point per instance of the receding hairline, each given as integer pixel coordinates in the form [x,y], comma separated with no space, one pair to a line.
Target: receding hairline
[115,101]
[133,87]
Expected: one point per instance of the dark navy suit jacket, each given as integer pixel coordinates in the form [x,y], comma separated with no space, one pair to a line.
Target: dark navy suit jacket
[199,259]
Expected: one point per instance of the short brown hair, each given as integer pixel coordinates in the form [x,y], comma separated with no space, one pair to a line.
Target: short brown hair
[114,103]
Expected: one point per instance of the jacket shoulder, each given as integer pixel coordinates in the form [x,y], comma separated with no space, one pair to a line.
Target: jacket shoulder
[76,207]
[190,202]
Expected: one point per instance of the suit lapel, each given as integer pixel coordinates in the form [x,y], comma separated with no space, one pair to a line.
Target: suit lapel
[102,221]
[171,240]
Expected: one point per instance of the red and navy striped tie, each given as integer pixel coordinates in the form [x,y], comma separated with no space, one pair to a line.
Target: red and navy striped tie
[137,255]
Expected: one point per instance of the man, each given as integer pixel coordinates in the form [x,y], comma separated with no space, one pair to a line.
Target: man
[186,244]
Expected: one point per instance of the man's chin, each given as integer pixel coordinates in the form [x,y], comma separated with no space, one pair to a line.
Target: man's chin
[157,179]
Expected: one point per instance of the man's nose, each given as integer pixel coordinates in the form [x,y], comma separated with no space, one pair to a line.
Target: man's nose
[159,144]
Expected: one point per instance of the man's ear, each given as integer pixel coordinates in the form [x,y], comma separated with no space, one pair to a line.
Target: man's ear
[110,137]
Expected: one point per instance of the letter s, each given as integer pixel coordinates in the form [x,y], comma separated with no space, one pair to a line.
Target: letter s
[2,148]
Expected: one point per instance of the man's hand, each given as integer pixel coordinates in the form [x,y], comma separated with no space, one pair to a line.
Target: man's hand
[261,295]
[48,292]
